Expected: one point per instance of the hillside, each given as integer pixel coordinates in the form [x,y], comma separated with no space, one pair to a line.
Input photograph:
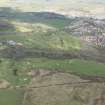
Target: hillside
[64,89]
[87,26]
[88,29]
[49,18]
[39,50]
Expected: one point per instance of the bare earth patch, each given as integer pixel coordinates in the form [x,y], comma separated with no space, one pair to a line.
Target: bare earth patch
[56,88]
[4,84]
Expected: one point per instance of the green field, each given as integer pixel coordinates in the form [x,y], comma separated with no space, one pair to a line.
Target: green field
[41,43]
[58,23]
[50,40]
[75,65]
[24,66]
[82,67]
[11,97]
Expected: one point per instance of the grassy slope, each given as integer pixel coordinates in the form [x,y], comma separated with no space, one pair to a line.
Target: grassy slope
[55,22]
[24,66]
[74,65]
[50,40]
[11,97]
[56,40]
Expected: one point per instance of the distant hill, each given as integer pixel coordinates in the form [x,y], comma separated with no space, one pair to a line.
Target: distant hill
[79,26]
[87,26]
[88,29]
[5,26]
[50,18]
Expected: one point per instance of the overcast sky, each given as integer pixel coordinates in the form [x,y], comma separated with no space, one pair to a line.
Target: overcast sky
[54,1]
[63,3]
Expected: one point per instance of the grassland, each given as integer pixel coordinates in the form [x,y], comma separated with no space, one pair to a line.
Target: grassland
[53,40]
[55,22]
[11,97]
[81,67]
[50,40]
[75,65]
[15,71]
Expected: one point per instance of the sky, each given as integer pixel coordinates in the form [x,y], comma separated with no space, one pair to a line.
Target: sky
[73,7]
[54,2]
[58,1]
[51,1]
